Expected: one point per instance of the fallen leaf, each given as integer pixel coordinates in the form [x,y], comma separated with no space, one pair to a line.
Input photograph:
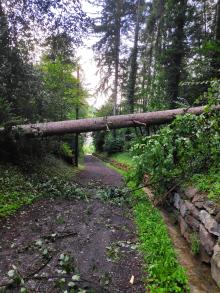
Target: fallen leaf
[132,280]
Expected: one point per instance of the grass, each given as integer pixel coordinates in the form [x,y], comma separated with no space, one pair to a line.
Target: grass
[209,183]
[163,272]
[124,158]
[51,177]
[120,171]
[195,243]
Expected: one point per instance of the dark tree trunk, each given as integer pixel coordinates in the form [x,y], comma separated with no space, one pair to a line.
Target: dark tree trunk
[216,55]
[175,58]
[117,52]
[134,67]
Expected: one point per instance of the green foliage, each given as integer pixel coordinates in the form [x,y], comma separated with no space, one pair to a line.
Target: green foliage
[66,149]
[124,158]
[88,148]
[51,178]
[56,187]
[108,142]
[66,152]
[15,190]
[64,95]
[113,144]
[5,111]
[67,279]
[16,278]
[115,195]
[28,92]
[113,252]
[66,262]
[164,272]
[189,145]
[195,243]
[209,182]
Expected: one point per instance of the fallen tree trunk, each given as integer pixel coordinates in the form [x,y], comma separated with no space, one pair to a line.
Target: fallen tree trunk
[103,123]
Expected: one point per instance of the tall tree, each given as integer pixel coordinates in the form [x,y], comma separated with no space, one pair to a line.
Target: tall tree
[110,50]
[20,85]
[49,16]
[175,49]
[117,42]
[133,62]
[216,55]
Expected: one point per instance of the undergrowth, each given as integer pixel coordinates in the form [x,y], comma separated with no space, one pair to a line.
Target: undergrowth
[115,195]
[209,182]
[15,190]
[49,178]
[188,146]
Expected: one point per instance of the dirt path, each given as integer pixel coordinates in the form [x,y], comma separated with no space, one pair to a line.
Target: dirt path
[96,172]
[97,238]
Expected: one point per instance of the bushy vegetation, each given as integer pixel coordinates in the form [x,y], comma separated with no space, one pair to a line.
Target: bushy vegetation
[115,195]
[188,146]
[113,142]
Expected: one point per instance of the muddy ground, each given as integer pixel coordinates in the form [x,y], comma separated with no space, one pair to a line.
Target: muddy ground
[90,240]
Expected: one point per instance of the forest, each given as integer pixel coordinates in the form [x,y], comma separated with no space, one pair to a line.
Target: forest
[133,206]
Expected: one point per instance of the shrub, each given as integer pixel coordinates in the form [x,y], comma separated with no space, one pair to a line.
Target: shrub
[188,146]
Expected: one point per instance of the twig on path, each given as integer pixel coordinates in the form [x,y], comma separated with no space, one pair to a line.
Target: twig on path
[40,268]
[50,237]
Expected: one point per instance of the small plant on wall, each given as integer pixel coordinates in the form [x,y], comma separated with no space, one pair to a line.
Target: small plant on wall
[195,243]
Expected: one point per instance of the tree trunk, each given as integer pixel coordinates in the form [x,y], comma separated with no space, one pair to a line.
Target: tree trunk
[175,61]
[216,55]
[102,123]
[117,52]
[134,67]
[217,34]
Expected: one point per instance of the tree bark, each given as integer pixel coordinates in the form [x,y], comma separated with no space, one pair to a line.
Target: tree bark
[216,55]
[175,59]
[102,123]
[134,66]
[117,52]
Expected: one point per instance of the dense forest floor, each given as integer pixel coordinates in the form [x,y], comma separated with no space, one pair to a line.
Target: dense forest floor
[56,244]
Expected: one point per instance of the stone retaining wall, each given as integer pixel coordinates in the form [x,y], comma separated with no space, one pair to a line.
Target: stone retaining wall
[199,221]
